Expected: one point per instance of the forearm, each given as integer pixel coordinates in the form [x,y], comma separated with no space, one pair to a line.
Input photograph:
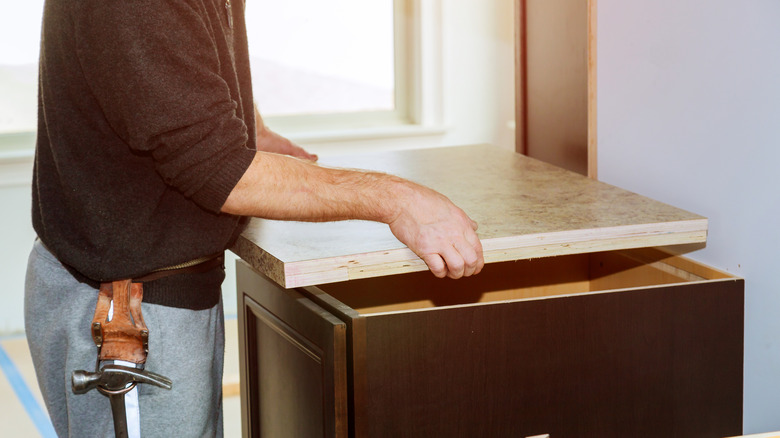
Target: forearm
[280,187]
[284,188]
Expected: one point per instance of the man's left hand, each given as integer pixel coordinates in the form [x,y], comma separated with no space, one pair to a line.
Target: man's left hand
[269,141]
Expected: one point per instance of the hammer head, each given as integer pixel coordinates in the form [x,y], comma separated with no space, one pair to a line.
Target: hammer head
[115,378]
[84,381]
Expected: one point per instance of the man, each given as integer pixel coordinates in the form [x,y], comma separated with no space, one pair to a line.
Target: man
[147,158]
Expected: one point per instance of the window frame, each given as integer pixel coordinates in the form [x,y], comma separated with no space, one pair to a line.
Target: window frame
[408,75]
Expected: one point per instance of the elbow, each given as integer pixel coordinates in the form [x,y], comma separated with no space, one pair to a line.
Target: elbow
[233,204]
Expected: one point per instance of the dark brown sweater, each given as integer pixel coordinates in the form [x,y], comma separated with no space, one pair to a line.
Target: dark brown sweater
[146,123]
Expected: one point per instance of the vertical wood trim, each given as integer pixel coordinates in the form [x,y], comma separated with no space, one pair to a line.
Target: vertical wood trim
[592,91]
[244,333]
[406,60]
[521,78]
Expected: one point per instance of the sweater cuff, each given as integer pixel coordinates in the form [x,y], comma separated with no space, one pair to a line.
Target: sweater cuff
[214,193]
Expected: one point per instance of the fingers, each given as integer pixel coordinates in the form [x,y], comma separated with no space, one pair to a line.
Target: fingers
[472,256]
[476,245]
[301,153]
[465,259]
[457,253]
[453,262]
[296,151]
[456,265]
[436,265]
[270,141]
[457,258]
[287,147]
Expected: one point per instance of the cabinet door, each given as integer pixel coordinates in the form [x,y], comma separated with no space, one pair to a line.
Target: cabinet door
[293,362]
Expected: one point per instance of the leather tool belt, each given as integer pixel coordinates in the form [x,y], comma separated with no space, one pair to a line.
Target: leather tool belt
[125,338]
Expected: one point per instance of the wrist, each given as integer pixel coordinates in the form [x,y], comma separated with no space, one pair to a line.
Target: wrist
[394,196]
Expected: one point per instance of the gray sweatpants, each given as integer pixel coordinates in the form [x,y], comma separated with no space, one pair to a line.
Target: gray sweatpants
[184,345]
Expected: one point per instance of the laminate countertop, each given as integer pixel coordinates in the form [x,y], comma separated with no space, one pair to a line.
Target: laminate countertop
[525,209]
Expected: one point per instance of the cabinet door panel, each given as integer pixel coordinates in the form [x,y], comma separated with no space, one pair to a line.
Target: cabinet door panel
[293,363]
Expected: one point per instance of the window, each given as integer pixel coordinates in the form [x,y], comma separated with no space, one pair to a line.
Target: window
[20,32]
[339,63]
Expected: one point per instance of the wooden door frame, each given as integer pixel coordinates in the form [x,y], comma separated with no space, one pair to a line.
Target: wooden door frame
[521,81]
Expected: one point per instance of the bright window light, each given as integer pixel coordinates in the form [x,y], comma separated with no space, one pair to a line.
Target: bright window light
[322,57]
[20,30]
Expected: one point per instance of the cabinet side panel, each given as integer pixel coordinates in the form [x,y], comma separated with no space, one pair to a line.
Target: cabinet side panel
[293,371]
[557,82]
[664,361]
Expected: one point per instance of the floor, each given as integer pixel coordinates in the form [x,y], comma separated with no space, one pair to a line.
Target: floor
[23,414]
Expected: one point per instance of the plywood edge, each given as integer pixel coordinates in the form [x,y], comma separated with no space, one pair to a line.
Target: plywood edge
[351,267]
[260,260]
[603,239]
[401,261]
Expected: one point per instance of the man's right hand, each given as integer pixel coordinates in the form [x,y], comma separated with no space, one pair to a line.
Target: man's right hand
[437,231]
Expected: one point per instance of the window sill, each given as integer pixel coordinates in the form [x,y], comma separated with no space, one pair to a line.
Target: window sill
[17,147]
[363,134]
[17,152]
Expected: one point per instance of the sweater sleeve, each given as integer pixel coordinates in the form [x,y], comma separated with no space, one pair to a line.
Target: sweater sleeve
[157,69]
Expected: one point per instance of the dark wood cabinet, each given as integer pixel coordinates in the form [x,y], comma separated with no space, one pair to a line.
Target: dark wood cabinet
[595,345]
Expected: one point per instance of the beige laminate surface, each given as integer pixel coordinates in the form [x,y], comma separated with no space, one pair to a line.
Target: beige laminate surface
[525,209]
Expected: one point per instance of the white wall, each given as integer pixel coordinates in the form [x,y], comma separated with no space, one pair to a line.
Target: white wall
[689,114]
[471,60]
[16,237]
